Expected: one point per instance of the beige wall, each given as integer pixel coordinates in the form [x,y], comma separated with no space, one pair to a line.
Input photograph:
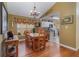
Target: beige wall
[67,31]
[77,25]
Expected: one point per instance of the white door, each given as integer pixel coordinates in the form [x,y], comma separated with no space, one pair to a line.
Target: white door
[54,37]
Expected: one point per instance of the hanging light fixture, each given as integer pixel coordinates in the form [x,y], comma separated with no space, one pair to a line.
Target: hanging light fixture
[34,12]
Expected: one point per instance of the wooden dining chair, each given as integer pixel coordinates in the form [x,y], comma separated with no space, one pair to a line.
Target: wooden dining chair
[43,39]
[28,40]
[11,47]
[46,33]
[35,44]
[42,42]
[41,30]
[39,43]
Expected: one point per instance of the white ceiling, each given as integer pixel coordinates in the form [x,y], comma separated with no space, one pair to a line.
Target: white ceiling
[24,8]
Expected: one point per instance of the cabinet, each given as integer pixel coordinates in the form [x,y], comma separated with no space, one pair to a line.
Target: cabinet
[11,48]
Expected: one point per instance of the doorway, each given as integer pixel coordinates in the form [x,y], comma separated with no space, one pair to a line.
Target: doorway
[54,31]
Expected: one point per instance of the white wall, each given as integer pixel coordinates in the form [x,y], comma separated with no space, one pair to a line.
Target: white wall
[0,44]
[45,24]
[77,25]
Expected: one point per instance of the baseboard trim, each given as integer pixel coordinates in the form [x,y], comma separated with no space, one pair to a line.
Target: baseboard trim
[74,49]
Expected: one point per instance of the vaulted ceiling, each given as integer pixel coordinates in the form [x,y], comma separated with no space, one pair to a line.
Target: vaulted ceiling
[24,8]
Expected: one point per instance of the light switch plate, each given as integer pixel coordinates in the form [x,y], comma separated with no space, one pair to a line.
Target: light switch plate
[66,27]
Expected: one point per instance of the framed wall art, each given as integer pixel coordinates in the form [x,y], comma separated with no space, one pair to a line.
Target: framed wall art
[67,20]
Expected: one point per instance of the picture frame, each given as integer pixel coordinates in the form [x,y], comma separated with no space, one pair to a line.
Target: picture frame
[67,20]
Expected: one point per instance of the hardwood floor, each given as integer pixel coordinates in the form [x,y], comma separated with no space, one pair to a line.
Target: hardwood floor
[52,50]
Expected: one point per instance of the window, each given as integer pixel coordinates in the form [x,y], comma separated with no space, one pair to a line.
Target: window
[21,28]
